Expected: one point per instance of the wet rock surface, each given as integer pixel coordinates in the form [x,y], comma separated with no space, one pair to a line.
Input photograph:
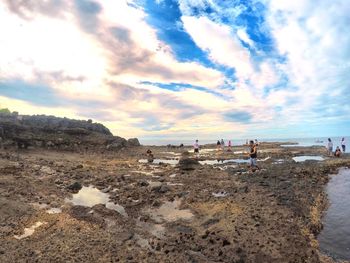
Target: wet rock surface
[172,214]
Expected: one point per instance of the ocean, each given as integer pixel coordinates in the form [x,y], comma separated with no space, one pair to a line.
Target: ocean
[318,141]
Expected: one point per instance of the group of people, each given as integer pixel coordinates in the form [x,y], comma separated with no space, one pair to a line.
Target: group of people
[221,145]
[253,150]
[337,152]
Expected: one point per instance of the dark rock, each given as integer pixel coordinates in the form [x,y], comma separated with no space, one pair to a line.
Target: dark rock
[187,163]
[163,189]
[133,142]
[116,144]
[156,203]
[75,187]
[143,183]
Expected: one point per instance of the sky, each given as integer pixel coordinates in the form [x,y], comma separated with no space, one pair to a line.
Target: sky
[181,69]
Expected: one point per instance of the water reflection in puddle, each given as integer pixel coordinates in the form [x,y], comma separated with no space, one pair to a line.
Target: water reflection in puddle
[54,210]
[90,196]
[213,162]
[306,157]
[220,194]
[156,230]
[278,161]
[334,239]
[169,211]
[159,161]
[174,184]
[29,231]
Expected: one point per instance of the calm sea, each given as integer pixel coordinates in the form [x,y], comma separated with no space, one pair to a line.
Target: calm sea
[320,141]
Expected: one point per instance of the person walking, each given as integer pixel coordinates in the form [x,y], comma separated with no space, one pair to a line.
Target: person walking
[330,147]
[343,144]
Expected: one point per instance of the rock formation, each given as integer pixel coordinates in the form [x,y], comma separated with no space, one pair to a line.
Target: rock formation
[53,132]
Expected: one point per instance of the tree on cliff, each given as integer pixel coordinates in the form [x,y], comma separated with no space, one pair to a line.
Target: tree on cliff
[5,110]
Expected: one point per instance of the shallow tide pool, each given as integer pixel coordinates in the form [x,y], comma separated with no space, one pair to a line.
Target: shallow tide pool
[334,239]
[304,158]
[90,196]
[159,161]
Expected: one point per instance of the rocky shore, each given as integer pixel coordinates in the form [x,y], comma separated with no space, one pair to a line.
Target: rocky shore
[59,206]
[50,132]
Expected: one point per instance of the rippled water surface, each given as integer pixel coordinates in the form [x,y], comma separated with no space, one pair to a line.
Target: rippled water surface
[335,237]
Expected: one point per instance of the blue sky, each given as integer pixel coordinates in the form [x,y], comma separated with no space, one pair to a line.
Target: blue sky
[181,68]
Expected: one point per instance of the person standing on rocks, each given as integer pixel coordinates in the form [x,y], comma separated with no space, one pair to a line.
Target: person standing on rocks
[196,148]
[330,147]
[343,144]
[253,154]
[229,146]
[218,145]
[150,156]
[222,145]
[337,152]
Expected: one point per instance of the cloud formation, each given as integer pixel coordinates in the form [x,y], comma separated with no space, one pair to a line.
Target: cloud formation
[179,68]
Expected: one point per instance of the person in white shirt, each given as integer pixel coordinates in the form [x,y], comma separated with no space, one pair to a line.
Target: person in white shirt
[196,147]
[343,144]
[330,147]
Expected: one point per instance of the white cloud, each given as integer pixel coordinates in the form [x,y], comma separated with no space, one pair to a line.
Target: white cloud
[312,39]
[242,34]
[222,45]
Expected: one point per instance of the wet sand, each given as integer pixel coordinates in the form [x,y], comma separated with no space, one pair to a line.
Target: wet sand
[162,212]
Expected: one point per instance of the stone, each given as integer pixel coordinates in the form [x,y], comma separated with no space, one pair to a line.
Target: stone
[163,189]
[133,142]
[143,183]
[75,187]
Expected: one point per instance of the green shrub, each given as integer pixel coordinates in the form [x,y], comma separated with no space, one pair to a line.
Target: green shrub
[5,110]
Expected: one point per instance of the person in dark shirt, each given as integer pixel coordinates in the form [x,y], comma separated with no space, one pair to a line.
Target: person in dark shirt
[253,154]
[337,152]
[150,156]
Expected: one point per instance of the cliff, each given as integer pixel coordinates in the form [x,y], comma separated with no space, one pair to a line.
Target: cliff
[41,131]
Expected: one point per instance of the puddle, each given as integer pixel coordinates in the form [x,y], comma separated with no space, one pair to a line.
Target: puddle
[174,184]
[302,144]
[54,210]
[90,196]
[304,158]
[142,242]
[29,231]
[334,239]
[156,230]
[220,194]
[223,168]
[154,184]
[170,212]
[40,205]
[116,207]
[172,153]
[208,150]
[213,162]
[159,161]
[278,161]
[143,172]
